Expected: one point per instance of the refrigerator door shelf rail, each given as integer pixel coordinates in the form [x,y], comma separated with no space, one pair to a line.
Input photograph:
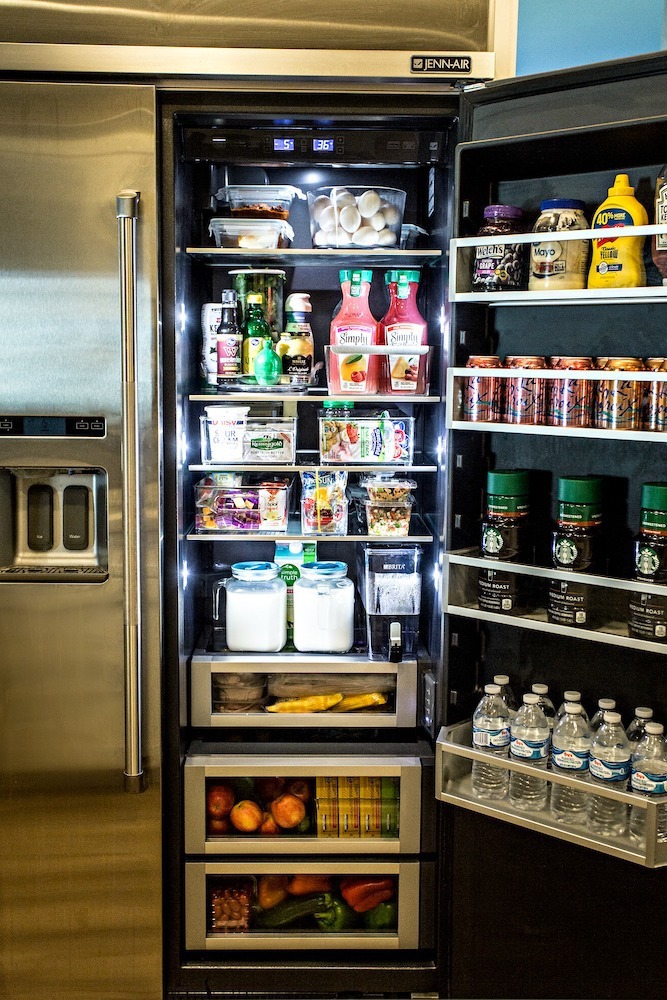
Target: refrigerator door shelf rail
[453,764]
[293,257]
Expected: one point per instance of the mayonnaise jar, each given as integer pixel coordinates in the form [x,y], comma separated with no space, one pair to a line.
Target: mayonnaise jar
[559,264]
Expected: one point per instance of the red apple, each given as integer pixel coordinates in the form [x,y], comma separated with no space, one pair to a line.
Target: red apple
[269,788]
[246,816]
[299,787]
[219,799]
[216,827]
[288,810]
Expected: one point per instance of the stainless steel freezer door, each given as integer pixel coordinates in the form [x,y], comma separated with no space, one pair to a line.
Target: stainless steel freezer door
[80,904]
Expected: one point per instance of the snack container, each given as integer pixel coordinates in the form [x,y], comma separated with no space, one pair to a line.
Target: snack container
[270,439]
[321,517]
[411,236]
[260,507]
[387,519]
[356,216]
[259,201]
[251,234]
[382,439]
[387,489]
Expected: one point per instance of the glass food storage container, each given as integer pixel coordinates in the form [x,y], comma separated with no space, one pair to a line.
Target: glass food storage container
[324,609]
[259,201]
[251,234]
[356,216]
[256,611]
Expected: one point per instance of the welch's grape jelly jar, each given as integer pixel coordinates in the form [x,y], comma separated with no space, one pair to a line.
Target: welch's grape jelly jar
[500,265]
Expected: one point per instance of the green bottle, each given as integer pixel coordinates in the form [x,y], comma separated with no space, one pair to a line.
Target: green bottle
[268,366]
[255,330]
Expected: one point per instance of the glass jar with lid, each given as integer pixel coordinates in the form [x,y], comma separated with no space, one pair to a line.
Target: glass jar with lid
[256,611]
[324,609]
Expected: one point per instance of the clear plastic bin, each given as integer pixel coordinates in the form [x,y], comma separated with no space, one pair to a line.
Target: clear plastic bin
[258,507]
[359,216]
[321,517]
[270,440]
[381,439]
[388,519]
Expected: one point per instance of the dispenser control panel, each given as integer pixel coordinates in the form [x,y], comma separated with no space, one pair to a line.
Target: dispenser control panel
[41,425]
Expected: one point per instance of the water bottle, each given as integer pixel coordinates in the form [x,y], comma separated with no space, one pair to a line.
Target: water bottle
[649,778]
[529,744]
[636,729]
[609,765]
[604,705]
[491,733]
[545,703]
[506,693]
[570,746]
[571,698]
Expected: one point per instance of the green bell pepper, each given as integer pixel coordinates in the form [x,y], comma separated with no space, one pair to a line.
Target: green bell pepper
[336,915]
[383,917]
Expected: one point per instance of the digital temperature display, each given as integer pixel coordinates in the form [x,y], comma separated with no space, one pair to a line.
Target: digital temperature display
[283,145]
[323,145]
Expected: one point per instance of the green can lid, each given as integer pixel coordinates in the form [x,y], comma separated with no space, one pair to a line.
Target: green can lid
[347,275]
[392,276]
[654,496]
[580,489]
[508,482]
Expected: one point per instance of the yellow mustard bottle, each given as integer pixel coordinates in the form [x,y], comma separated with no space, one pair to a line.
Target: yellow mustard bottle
[617,262]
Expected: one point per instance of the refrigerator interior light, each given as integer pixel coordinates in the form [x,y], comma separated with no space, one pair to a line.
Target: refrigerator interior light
[443,319]
[183,316]
[183,448]
[184,574]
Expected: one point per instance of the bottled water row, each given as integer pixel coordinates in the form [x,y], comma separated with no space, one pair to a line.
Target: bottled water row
[599,749]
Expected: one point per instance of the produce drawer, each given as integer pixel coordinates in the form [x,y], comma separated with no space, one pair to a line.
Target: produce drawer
[305,804]
[453,765]
[232,905]
[236,690]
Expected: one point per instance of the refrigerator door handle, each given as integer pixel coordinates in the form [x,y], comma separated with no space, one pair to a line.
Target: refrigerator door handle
[127,204]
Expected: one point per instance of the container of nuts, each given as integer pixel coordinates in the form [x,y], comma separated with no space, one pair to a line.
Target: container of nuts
[388,508]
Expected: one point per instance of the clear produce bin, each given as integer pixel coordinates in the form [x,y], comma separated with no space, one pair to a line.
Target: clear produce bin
[260,507]
[385,439]
[356,216]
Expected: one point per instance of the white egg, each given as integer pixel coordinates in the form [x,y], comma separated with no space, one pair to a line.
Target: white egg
[341,197]
[327,218]
[318,206]
[365,236]
[349,218]
[368,203]
[340,238]
[377,221]
[386,238]
[322,238]
[392,215]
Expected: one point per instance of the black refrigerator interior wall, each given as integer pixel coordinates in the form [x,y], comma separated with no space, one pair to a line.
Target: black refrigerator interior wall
[531,915]
[198,959]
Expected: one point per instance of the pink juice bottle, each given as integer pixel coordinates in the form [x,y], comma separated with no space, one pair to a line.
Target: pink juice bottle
[403,327]
[352,327]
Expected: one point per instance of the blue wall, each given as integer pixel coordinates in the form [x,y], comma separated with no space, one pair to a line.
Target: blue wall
[557,34]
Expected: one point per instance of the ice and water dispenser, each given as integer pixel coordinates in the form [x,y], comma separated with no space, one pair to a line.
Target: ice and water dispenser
[53,518]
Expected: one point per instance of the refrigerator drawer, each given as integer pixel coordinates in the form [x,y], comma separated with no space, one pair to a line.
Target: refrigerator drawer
[284,804]
[453,766]
[242,691]
[361,905]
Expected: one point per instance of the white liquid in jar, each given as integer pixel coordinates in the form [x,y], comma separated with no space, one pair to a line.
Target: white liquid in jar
[256,620]
[323,616]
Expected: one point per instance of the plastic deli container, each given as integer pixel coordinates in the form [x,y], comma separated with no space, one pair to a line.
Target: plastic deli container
[382,438]
[356,216]
[387,489]
[260,507]
[387,519]
[251,234]
[270,440]
[259,201]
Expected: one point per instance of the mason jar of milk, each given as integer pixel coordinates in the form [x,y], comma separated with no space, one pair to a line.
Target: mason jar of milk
[324,609]
[256,608]
[559,263]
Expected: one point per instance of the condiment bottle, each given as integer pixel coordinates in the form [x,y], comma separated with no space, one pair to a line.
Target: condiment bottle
[403,327]
[648,612]
[575,545]
[354,326]
[504,537]
[255,331]
[267,365]
[559,264]
[499,266]
[228,339]
[659,241]
[617,262]
[296,347]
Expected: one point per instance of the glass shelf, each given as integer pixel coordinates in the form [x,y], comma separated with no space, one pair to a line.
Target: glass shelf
[418,533]
[293,257]
[307,396]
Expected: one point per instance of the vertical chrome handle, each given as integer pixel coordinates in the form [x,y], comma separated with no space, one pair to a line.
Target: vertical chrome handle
[127,204]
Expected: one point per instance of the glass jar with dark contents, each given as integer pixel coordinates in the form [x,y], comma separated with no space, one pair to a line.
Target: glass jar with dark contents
[648,612]
[500,266]
[505,537]
[575,546]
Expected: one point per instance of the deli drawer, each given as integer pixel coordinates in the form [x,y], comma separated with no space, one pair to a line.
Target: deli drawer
[340,905]
[254,803]
[253,690]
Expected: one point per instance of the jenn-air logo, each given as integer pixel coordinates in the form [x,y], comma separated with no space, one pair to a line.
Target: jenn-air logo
[440,64]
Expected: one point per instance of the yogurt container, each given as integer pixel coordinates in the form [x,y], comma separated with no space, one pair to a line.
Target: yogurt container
[225,428]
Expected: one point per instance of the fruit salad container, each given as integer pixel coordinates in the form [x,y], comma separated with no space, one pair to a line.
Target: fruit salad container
[384,438]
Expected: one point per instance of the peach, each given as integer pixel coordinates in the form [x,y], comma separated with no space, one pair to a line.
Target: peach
[246,816]
[288,810]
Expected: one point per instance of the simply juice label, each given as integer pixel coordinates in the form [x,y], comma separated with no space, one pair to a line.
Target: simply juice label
[403,366]
[353,367]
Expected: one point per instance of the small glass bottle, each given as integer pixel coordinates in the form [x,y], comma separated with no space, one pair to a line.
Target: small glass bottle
[255,331]
[575,545]
[648,612]
[228,339]
[500,266]
[504,537]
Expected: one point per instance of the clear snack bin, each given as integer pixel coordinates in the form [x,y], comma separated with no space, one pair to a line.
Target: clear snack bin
[270,440]
[260,507]
[259,201]
[383,438]
[388,519]
[356,216]
[323,517]
[251,234]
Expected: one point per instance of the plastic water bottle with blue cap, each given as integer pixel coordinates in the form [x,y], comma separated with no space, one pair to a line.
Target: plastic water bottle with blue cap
[570,747]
